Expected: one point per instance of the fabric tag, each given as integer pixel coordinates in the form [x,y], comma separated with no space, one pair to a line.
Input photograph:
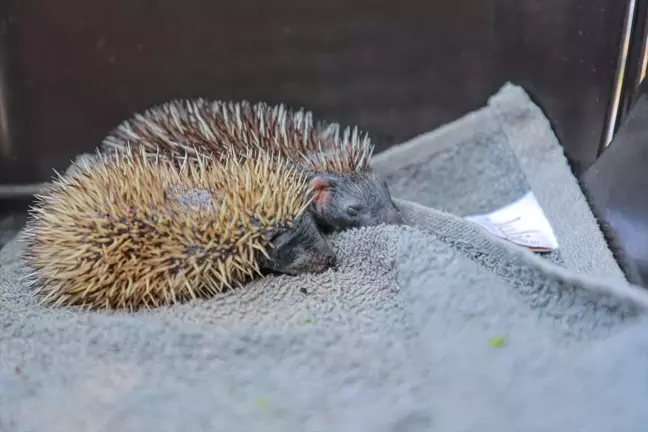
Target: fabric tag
[522,222]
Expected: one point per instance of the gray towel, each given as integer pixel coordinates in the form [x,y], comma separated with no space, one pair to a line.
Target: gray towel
[434,326]
[491,157]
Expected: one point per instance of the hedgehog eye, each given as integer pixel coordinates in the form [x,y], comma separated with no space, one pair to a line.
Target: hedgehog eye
[353,210]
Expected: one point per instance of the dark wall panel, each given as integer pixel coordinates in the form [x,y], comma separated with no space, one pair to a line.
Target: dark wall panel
[77,67]
[564,53]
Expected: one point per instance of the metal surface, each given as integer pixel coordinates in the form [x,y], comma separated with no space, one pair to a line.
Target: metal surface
[613,114]
[643,49]
[631,67]
[22,190]
[78,68]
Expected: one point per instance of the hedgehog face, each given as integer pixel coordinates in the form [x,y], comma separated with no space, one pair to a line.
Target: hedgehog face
[353,200]
[300,249]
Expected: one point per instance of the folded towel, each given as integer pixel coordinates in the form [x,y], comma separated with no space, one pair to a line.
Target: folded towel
[492,157]
[438,325]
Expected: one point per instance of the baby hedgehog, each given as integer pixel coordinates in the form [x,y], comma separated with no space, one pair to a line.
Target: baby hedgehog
[133,230]
[348,192]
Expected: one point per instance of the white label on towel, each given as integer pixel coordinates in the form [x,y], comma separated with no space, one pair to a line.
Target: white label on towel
[522,222]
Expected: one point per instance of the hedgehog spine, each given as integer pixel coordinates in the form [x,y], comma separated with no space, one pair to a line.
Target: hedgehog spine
[72,261]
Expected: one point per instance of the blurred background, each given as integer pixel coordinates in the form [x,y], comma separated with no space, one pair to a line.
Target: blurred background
[73,69]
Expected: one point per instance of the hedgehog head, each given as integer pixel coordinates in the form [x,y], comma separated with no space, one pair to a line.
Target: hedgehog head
[352,200]
[348,193]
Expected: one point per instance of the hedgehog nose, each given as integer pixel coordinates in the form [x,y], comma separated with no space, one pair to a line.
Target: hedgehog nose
[331,261]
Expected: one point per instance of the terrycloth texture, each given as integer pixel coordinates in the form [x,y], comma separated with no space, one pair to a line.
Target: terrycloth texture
[491,157]
[396,339]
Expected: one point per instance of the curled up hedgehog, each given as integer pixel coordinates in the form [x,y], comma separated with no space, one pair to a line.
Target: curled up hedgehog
[133,230]
[347,192]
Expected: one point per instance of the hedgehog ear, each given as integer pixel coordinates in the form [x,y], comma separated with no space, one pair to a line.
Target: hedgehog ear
[322,188]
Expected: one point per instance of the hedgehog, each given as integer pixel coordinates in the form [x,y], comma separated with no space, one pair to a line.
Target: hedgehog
[118,235]
[348,192]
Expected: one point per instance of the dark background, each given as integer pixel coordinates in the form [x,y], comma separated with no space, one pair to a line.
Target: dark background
[76,68]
